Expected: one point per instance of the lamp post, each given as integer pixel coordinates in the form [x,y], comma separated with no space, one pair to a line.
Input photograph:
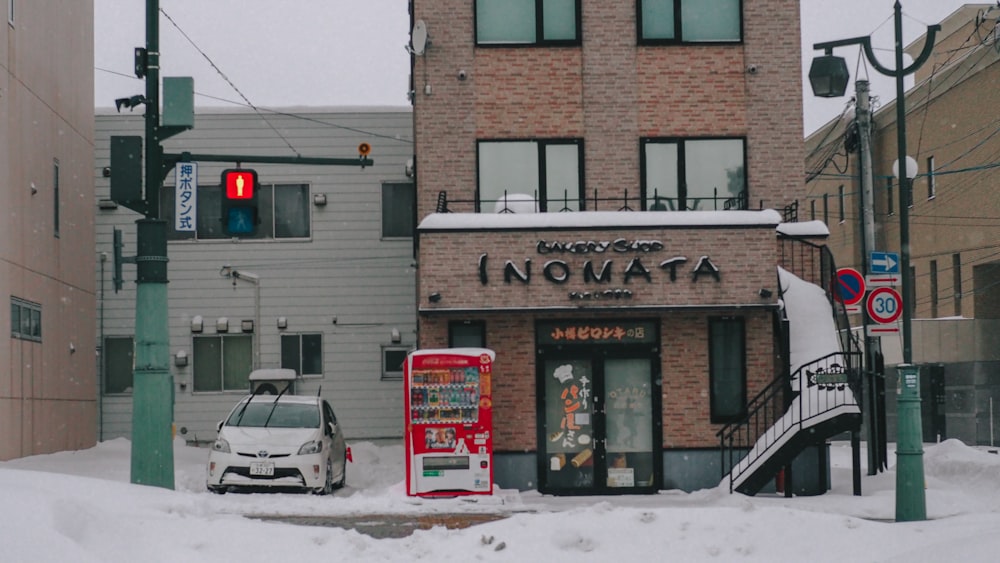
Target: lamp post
[828,76]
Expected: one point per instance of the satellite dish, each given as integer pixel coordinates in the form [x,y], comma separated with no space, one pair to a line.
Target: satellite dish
[418,38]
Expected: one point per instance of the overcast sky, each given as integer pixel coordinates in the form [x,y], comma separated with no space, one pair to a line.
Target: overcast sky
[351,53]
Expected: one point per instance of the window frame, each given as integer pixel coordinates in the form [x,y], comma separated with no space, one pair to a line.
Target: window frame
[476,326]
[390,190]
[392,374]
[541,197]
[682,176]
[539,30]
[300,353]
[55,197]
[931,182]
[678,38]
[209,211]
[33,332]
[713,369]
[222,338]
[106,365]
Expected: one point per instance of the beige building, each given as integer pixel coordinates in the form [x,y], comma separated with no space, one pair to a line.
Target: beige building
[954,218]
[48,385]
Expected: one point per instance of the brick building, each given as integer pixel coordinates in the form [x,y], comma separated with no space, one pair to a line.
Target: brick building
[954,225]
[596,186]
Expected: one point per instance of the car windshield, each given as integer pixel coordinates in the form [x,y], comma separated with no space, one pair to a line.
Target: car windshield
[284,415]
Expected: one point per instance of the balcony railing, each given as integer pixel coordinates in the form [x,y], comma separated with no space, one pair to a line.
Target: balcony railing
[512,202]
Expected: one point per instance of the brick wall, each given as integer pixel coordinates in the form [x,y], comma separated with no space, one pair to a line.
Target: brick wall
[610,92]
[684,367]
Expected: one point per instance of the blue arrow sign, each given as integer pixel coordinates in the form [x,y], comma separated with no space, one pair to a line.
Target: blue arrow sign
[884,263]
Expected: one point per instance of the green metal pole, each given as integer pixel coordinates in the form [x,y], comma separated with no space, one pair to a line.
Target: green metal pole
[153,386]
[910,498]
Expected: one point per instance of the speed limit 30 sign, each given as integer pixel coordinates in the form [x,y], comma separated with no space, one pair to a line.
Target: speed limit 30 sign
[884,305]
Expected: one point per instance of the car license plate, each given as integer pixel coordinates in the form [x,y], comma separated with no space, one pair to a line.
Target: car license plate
[262,468]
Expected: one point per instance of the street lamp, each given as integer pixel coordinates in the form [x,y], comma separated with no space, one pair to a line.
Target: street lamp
[910,499]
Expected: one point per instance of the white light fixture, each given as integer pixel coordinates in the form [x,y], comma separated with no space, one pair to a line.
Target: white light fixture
[197,324]
[396,338]
[319,200]
[222,325]
[911,167]
[246,325]
[282,323]
[181,358]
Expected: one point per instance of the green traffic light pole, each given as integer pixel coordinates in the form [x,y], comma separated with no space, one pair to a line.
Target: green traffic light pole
[910,496]
[152,456]
[153,388]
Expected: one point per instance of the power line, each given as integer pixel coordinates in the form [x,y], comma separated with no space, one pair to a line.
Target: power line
[277,112]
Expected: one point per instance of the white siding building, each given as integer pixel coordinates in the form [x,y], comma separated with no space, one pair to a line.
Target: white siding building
[325,286]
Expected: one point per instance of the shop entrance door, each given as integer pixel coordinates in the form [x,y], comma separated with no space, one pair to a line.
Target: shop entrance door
[600,426]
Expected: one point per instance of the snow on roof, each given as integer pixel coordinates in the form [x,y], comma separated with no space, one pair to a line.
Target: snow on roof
[607,219]
[804,229]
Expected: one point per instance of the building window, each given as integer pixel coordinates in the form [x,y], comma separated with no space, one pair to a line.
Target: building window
[55,196]
[466,334]
[283,212]
[528,22]
[840,198]
[223,363]
[303,353]
[934,289]
[548,173]
[727,369]
[689,21]
[119,356]
[693,174]
[399,210]
[393,359]
[888,188]
[956,277]
[931,184]
[25,320]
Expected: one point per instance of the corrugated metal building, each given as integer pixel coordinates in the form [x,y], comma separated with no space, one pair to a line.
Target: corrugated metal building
[325,286]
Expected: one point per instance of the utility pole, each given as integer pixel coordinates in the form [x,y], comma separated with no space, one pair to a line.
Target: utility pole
[876,396]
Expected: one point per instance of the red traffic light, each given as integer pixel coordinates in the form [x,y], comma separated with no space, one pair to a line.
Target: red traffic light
[239,184]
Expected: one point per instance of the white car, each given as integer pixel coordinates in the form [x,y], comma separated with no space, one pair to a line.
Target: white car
[278,443]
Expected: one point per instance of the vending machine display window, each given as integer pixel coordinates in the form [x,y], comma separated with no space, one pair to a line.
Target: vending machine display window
[449,443]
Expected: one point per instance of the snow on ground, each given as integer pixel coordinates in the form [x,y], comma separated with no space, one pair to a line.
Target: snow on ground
[79,506]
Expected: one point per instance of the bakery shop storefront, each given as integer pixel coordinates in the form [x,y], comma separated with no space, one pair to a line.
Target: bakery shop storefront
[624,341]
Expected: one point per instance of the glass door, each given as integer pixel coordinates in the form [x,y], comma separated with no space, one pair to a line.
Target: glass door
[567,452]
[628,424]
[600,427]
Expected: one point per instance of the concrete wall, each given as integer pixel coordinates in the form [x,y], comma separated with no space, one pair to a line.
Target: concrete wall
[48,399]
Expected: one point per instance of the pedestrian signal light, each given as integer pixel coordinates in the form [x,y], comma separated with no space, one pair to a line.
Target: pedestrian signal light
[239,202]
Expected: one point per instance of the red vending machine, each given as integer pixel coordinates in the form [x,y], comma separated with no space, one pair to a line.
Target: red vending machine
[449,422]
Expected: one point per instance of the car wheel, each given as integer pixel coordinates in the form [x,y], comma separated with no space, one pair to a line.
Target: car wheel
[343,477]
[218,490]
[328,482]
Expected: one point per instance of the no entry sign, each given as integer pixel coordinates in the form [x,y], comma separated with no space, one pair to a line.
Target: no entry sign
[850,288]
[884,305]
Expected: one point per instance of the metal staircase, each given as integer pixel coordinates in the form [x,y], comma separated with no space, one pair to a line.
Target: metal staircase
[798,409]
